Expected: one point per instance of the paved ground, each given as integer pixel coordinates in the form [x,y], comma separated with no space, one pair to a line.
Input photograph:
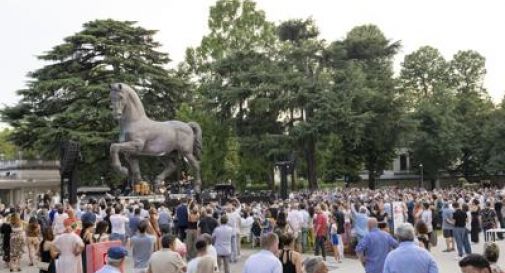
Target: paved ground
[446,261]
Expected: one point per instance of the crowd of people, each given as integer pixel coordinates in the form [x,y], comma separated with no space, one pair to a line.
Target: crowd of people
[390,230]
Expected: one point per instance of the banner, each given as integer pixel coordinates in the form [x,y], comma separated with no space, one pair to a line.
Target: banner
[96,255]
[398,214]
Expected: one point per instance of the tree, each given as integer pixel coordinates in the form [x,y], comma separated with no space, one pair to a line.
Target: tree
[473,108]
[68,99]
[7,148]
[380,105]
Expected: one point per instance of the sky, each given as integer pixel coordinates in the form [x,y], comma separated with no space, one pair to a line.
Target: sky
[31,27]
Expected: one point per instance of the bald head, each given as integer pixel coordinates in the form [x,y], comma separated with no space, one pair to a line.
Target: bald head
[372,223]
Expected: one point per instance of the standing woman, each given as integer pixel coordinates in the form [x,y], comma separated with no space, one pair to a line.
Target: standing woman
[69,247]
[334,239]
[101,232]
[47,252]
[154,228]
[6,231]
[87,238]
[475,221]
[32,238]
[17,243]
[192,231]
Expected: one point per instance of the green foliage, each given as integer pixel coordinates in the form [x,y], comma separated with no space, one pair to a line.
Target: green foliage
[7,148]
[69,99]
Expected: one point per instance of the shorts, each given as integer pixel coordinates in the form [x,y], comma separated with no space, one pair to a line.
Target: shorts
[334,239]
[447,233]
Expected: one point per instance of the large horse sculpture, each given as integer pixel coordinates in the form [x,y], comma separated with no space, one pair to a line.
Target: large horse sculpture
[140,135]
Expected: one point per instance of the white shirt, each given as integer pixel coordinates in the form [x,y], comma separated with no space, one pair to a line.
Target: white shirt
[295,220]
[305,218]
[58,227]
[118,223]
[263,262]
[426,216]
[193,265]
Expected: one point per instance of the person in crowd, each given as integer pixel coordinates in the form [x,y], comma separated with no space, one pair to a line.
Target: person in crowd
[266,260]
[88,216]
[492,253]
[222,237]
[360,219]
[101,232]
[374,247]
[47,252]
[116,257]
[408,256]
[142,246]
[474,263]
[6,231]
[87,238]
[475,224]
[335,239]
[17,243]
[118,224]
[69,247]
[291,259]
[167,259]
[211,250]
[206,265]
[295,222]
[192,229]
[339,216]
[460,233]
[448,226]
[234,219]
[201,251]
[423,235]
[207,223]
[304,214]
[320,230]
[32,238]
[181,213]
[489,219]
[134,221]
[315,265]
[153,228]
[59,217]
[164,220]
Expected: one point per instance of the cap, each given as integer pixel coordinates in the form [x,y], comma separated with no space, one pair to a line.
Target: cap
[117,252]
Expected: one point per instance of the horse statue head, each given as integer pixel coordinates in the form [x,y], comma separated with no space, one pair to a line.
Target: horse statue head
[125,102]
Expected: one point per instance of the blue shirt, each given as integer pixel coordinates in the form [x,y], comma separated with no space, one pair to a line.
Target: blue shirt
[108,269]
[142,248]
[263,262]
[447,215]
[361,225]
[133,224]
[375,247]
[182,215]
[409,257]
[88,217]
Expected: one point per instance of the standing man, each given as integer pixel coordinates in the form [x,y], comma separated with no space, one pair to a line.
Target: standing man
[118,225]
[374,247]
[166,259]
[88,216]
[409,257]
[295,222]
[142,247]
[459,232]
[207,223]
[427,218]
[181,213]
[266,260]
[447,226]
[201,251]
[222,237]
[321,231]
[305,226]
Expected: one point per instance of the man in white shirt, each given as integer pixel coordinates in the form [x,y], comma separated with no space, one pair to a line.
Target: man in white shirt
[234,222]
[305,226]
[295,222]
[118,226]
[266,260]
[201,249]
[59,218]
[427,217]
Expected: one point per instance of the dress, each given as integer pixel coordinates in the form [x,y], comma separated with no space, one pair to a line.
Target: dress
[67,261]
[17,242]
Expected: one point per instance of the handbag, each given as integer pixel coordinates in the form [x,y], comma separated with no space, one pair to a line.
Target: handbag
[43,266]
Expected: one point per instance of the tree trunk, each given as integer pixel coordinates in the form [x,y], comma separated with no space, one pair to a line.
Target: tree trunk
[371,179]
[310,156]
[271,179]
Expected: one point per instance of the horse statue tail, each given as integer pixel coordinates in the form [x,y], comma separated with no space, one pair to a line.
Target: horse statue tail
[197,141]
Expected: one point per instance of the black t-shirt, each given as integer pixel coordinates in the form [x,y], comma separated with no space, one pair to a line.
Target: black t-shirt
[207,225]
[459,217]
[340,222]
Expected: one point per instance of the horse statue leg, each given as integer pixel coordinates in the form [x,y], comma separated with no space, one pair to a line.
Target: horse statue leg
[169,169]
[130,147]
[196,167]
[134,167]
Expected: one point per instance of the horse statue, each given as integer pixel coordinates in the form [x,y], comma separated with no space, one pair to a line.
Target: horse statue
[140,135]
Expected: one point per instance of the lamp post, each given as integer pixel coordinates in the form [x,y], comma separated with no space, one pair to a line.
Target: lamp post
[421,181]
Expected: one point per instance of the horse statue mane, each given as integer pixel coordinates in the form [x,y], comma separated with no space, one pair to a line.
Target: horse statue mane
[143,136]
